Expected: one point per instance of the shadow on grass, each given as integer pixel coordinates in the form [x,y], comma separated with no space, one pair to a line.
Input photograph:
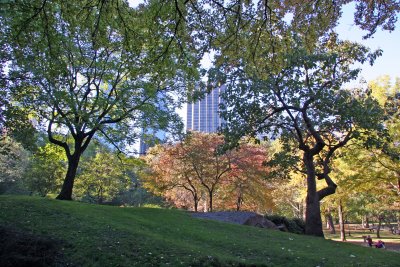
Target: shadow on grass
[19,248]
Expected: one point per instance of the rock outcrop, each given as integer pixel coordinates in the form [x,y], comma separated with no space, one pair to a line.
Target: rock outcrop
[238,217]
[260,221]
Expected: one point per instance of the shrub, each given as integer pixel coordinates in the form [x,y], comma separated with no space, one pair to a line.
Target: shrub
[301,224]
[294,225]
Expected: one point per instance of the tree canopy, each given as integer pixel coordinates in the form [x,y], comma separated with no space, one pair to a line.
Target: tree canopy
[86,68]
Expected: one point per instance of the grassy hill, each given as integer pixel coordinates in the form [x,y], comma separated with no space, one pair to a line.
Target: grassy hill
[77,234]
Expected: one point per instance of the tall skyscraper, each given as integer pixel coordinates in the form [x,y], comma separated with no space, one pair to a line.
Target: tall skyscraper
[203,115]
[149,138]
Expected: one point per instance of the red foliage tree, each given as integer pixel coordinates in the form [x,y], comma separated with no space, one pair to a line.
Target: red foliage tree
[194,169]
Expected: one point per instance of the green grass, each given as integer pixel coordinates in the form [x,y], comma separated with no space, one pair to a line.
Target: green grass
[94,235]
[392,241]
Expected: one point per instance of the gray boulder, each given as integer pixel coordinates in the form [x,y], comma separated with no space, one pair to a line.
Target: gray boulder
[260,221]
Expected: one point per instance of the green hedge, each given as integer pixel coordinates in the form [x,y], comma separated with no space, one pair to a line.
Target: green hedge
[294,225]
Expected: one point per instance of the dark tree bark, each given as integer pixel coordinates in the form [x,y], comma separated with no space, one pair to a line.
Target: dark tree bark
[210,200]
[195,201]
[68,184]
[313,214]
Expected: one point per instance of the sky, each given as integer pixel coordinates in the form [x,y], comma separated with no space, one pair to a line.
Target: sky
[389,42]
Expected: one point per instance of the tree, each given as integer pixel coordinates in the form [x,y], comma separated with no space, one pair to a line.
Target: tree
[102,178]
[87,68]
[365,185]
[258,49]
[195,169]
[247,187]
[311,18]
[209,166]
[370,15]
[15,122]
[46,170]
[13,163]
[167,175]
[194,164]
[369,175]
[387,153]
[289,196]
[303,103]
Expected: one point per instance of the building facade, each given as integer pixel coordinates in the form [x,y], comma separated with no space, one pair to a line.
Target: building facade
[149,138]
[203,115]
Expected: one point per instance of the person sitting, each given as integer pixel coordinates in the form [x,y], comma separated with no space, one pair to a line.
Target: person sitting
[369,240]
[380,244]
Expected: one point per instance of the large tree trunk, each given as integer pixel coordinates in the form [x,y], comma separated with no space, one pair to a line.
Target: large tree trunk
[66,190]
[313,211]
[313,216]
[341,222]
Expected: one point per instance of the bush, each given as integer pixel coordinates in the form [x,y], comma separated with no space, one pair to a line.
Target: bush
[138,197]
[301,224]
[294,225]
